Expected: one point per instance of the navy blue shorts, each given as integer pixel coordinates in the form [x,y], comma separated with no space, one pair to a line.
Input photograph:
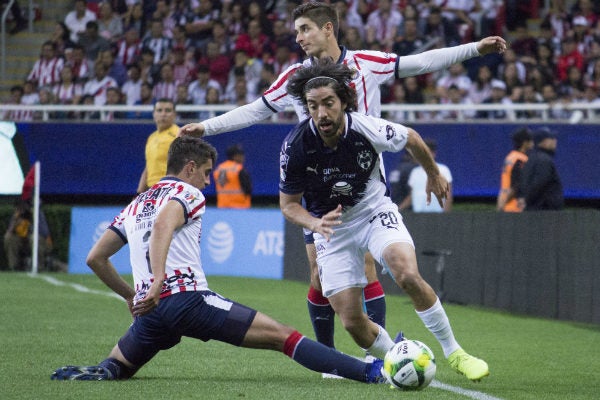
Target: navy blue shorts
[202,315]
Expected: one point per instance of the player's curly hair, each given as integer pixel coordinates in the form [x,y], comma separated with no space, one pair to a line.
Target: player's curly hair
[322,73]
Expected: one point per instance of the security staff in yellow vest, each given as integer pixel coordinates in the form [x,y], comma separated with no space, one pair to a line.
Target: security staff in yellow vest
[232,181]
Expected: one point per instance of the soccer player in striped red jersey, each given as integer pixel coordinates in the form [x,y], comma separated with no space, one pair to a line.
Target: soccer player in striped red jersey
[171,298]
[316,27]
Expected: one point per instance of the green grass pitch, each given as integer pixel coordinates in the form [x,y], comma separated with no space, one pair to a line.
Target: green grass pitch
[44,326]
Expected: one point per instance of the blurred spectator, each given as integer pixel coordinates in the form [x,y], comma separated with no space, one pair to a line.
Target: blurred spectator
[148,69]
[61,37]
[524,44]
[411,42]
[77,19]
[88,100]
[97,85]
[439,27]
[591,95]
[413,92]
[481,87]
[254,42]
[165,14]
[267,77]
[132,87]
[182,99]
[92,42]
[547,37]
[574,85]
[530,96]
[349,18]
[30,94]
[20,22]
[545,61]
[458,13]
[198,88]
[382,24]
[581,34]
[110,24]
[283,57]
[234,21]
[486,19]
[67,91]
[114,97]
[245,68]
[218,64]
[116,69]
[16,95]
[180,40]
[511,78]
[455,75]
[155,41]
[120,7]
[455,96]
[18,239]
[129,47]
[587,9]
[183,70]
[353,39]
[541,185]
[260,10]
[511,172]
[398,96]
[166,86]
[213,96]
[199,23]
[46,70]
[134,19]
[498,97]
[569,56]
[146,99]
[510,57]
[398,178]
[551,97]
[46,98]
[417,182]
[79,64]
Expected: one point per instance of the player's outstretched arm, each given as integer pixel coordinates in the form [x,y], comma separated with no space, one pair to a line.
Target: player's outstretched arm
[491,44]
[235,119]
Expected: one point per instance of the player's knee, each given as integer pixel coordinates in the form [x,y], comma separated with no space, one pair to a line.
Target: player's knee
[409,281]
[354,323]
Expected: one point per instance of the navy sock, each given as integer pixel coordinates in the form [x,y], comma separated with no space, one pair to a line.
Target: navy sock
[320,358]
[322,317]
[117,369]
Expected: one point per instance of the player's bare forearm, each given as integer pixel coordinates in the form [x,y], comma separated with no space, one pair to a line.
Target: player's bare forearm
[421,153]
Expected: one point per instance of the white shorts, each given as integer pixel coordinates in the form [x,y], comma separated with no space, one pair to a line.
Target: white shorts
[341,261]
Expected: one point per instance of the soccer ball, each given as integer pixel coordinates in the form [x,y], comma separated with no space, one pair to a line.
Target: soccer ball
[409,365]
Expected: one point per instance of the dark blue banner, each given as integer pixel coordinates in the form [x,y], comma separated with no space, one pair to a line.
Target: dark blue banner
[108,158]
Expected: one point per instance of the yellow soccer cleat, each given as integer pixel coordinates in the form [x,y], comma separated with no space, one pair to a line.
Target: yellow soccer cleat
[471,367]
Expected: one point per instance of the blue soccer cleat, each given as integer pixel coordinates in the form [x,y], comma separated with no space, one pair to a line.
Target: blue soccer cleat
[399,337]
[76,373]
[374,374]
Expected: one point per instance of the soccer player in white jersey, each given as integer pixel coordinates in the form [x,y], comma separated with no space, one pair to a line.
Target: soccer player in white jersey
[316,25]
[347,208]
[171,298]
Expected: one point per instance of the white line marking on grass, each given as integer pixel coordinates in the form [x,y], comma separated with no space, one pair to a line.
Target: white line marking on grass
[76,286]
[473,394]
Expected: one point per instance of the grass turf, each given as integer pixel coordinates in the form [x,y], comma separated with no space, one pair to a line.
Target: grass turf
[45,326]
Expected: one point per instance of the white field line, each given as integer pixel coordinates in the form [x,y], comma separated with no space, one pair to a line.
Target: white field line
[473,394]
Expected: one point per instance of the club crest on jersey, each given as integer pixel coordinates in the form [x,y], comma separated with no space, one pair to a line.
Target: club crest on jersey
[341,189]
[364,159]
[390,132]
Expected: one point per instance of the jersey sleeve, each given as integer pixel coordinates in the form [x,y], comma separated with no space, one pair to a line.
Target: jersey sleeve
[291,172]
[192,200]
[376,64]
[276,96]
[383,134]
[118,225]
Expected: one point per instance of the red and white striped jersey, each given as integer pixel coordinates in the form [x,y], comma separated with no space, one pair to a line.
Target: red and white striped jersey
[46,72]
[183,269]
[372,69]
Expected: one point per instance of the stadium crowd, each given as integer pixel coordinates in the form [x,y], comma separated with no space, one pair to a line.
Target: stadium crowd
[228,52]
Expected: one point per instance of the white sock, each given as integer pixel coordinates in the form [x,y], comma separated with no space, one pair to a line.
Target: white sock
[436,320]
[383,342]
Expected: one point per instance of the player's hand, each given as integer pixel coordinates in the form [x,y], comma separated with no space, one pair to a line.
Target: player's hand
[439,186]
[194,129]
[148,303]
[328,221]
[491,44]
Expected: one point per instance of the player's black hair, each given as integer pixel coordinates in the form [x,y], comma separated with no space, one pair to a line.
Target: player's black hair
[319,13]
[188,148]
[165,100]
[324,73]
